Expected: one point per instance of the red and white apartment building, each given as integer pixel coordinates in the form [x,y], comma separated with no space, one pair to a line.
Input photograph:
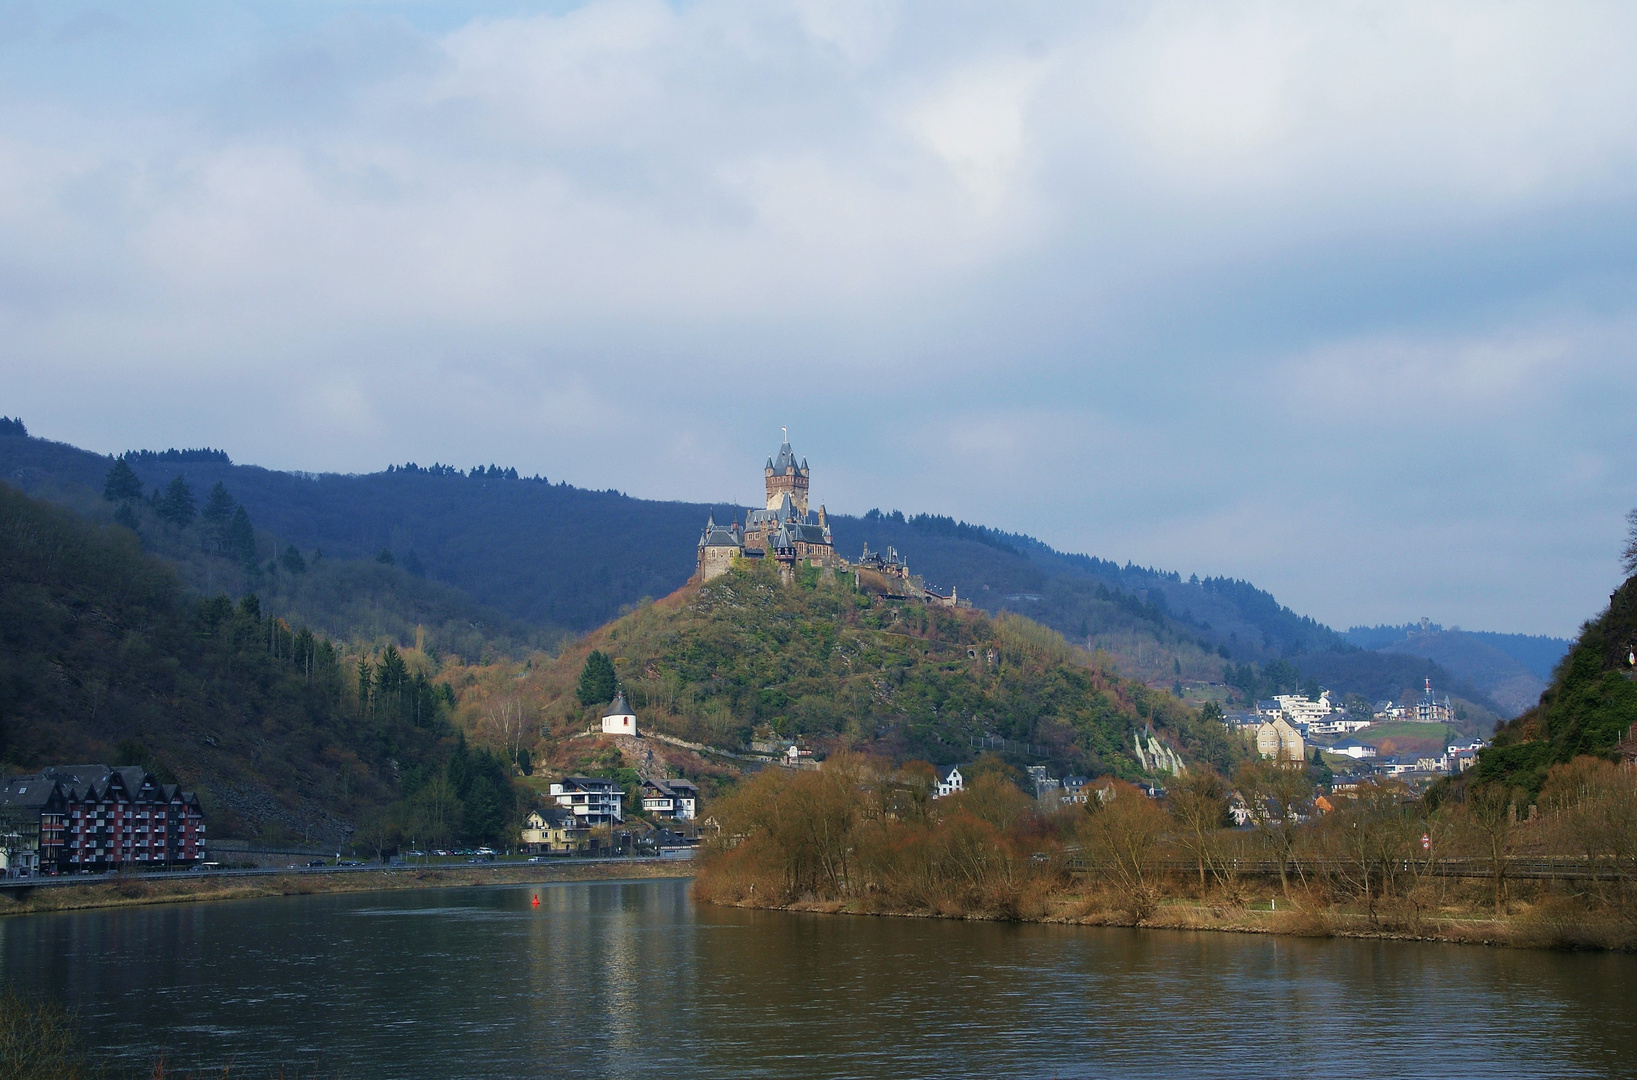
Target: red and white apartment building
[96,818]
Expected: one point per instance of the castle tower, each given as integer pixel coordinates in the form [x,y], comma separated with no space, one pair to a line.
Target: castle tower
[785,477]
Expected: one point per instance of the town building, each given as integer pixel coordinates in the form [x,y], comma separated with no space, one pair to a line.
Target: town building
[1430,710]
[594,800]
[1353,748]
[1338,723]
[1278,740]
[950,784]
[97,818]
[1299,709]
[619,719]
[553,831]
[675,799]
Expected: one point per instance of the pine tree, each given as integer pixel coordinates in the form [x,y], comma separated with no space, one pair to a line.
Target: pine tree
[292,561]
[239,539]
[218,507]
[177,505]
[122,484]
[597,681]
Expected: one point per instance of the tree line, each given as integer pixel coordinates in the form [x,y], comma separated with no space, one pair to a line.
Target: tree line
[866,835]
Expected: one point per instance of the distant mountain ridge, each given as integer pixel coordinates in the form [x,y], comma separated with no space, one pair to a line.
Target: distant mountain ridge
[1537,653]
[560,557]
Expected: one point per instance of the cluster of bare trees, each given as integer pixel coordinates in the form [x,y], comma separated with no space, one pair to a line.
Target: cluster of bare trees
[867,834]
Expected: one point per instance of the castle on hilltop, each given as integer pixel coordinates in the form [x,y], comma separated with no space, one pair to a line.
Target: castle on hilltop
[785,531]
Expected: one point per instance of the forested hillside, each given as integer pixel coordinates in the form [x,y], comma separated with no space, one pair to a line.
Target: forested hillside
[524,560]
[744,655]
[1590,705]
[105,656]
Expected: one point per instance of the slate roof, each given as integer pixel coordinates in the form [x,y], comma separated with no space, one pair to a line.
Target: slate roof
[619,707]
[786,460]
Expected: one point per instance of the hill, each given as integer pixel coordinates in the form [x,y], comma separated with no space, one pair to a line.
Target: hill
[743,656]
[1506,680]
[1590,705]
[106,656]
[545,559]
[554,556]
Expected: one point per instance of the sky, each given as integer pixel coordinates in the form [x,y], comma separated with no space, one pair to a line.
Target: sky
[1336,298]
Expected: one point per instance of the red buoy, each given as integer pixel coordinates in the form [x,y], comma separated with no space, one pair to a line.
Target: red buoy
[536,899]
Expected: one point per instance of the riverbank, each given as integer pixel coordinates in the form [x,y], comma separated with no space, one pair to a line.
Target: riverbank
[138,891]
[1544,924]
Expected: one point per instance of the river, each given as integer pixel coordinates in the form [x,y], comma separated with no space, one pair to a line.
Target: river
[621,979]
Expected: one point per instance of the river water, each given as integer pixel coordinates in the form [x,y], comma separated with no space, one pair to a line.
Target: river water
[622,979]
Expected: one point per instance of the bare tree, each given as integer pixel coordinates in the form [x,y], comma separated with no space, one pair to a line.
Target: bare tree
[1628,558]
[1492,824]
[1276,794]
[1123,831]
[1198,803]
[508,718]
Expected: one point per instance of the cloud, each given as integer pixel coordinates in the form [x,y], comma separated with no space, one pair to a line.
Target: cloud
[1323,264]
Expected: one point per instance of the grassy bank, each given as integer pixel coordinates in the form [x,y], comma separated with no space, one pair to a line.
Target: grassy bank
[137,891]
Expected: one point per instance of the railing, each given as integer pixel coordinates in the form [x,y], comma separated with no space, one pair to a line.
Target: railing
[1519,867]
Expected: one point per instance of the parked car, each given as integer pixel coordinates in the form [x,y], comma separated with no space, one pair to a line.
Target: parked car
[316,862]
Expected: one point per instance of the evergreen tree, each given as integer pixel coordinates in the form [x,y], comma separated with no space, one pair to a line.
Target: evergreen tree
[385,557]
[126,516]
[292,561]
[122,484]
[525,762]
[177,505]
[218,507]
[239,539]
[597,681]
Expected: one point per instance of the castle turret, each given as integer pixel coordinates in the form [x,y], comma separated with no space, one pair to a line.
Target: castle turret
[786,477]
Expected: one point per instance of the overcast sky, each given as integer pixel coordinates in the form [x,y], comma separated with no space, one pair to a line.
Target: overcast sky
[1335,298]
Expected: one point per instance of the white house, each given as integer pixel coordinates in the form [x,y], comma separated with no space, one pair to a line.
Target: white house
[1337,723]
[677,800]
[950,784]
[1302,711]
[1353,749]
[594,800]
[619,719]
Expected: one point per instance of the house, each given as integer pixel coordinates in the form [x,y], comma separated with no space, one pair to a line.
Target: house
[1388,710]
[1074,789]
[553,831]
[619,719]
[1278,740]
[97,818]
[950,784]
[1337,723]
[1429,710]
[594,800]
[1354,749]
[676,800]
[1461,756]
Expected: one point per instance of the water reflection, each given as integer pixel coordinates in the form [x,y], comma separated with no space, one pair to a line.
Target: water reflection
[607,979]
